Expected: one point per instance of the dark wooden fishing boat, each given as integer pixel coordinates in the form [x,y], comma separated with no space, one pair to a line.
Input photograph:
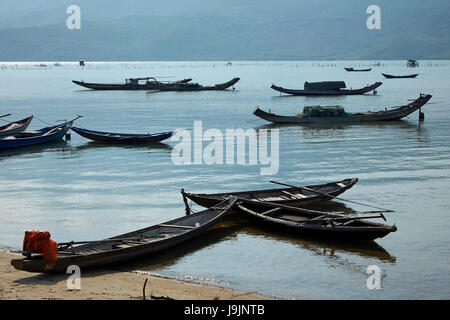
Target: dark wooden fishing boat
[198,87]
[287,196]
[150,83]
[122,137]
[315,223]
[15,126]
[28,138]
[128,246]
[410,76]
[357,70]
[327,88]
[337,115]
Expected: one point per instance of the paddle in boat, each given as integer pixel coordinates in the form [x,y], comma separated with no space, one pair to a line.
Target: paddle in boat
[198,87]
[410,76]
[122,137]
[28,138]
[336,227]
[129,246]
[292,196]
[327,88]
[337,115]
[15,126]
[357,70]
[151,83]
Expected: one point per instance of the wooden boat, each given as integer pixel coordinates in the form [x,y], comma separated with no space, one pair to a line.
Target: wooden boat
[128,246]
[287,196]
[337,115]
[388,76]
[357,70]
[28,138]
[151,83]
[122,137]
[198,87]
[327,88]
[315,223]
[15,127]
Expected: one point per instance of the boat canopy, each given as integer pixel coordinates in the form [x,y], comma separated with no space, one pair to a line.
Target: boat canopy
[324,85]
[324,111]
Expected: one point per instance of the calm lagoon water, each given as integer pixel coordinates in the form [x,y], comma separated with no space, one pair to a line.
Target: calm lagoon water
[81,191]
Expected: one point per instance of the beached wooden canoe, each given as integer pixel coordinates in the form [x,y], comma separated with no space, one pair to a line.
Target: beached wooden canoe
[15,126]
[122,137]
[150,83]
[327,88]
[319,224]
[198,87]
[330,115]
[29,138]
[287,196]
[128,246]
[409,76]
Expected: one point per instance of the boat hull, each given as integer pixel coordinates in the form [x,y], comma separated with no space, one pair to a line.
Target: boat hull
[122,137]
[340,92]
[15,127]
[126,86]
[410,76]
[187,87]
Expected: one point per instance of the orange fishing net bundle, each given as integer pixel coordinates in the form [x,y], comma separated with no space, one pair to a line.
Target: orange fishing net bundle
[37,241]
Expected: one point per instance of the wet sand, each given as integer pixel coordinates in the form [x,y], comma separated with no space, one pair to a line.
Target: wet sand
[103,284]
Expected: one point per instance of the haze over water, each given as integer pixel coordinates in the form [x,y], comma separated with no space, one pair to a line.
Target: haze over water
[84,191]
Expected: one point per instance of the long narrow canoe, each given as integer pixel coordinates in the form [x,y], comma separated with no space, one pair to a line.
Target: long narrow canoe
[122,137]
[28,138]
[287,196]
[131,84]
[129,246]
[410,76]
[334,92]
[357,70]
[330,116]
[197,87]
[315,223]
[15,126]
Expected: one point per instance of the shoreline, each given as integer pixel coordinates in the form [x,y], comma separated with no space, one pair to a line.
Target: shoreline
[105,284]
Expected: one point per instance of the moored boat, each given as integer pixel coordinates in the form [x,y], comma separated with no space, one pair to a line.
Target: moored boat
[28,138]
[198,87]
[128,246]
[319,224]
[15,126]
[358,70]
[122,137]
[337,115]
[151,83]
[410,76]
[288,196]
[327,88]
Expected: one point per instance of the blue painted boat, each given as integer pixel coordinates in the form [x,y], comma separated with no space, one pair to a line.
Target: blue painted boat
[28,138]
[122,137]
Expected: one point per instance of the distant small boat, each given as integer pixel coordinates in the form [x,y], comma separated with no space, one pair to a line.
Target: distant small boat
[388,76]
[15,126]
[151,83]
[128,246]
[198,87]
[28,138]
[313,115]
[357,70]
[326,88]
[122,137]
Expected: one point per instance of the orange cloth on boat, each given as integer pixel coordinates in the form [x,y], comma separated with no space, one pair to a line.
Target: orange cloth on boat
[37,241]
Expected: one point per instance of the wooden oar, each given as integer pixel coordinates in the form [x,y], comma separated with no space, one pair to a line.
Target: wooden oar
[328,195]
[6,115]
[344,218]
[96,241]
[62,125]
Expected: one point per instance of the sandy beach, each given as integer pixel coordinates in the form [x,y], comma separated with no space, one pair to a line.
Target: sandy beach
[103,284]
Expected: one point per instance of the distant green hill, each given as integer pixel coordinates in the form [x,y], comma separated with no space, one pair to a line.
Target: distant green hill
[225,30]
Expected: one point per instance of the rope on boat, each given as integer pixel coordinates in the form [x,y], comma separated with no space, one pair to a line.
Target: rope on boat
[50,124]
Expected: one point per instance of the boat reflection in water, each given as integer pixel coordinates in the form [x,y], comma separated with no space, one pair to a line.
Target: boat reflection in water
[102,145]
[38,149]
